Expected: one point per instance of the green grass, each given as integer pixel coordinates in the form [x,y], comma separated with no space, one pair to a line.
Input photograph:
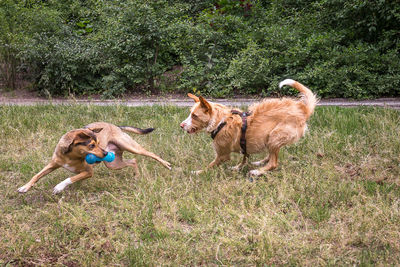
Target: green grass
[334,199]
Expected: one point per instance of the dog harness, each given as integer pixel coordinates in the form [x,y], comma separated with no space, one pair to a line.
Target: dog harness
[216,131]
[244,116]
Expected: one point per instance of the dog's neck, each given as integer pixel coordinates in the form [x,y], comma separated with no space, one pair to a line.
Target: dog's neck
[212,125]
[219,113]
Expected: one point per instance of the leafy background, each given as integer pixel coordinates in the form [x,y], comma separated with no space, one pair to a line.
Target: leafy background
[339,48]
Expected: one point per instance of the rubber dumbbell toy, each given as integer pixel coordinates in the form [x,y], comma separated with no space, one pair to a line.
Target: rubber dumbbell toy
[91,158]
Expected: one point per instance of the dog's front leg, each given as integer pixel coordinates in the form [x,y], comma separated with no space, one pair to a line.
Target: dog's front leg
[218,160]
[46,170]
[83,175]
[241,164]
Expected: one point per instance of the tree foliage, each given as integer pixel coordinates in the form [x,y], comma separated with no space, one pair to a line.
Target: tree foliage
[339,48]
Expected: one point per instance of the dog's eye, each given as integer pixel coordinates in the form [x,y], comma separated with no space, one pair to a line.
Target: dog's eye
[91,146]
[194,116]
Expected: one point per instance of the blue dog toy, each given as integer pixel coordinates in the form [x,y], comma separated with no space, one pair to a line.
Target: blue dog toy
[91,158]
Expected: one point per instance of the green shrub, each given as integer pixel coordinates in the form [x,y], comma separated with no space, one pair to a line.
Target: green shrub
[338,48]
[252,69]
[357,71]
[137,44]
[63,66]
[205,50]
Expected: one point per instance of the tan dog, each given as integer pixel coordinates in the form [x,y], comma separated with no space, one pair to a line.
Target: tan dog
[271,124]
[97,138]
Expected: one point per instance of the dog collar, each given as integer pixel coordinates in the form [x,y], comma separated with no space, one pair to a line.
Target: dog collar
[216,131]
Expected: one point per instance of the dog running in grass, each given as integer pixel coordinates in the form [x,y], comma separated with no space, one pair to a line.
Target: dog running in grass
[269,125]
[97,138]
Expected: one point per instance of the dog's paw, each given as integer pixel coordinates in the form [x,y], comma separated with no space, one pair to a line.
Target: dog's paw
[255,173]
[197,172]
[61,186]
[57,189]
[168,165]
[236,168]
[258,163]
[23,189]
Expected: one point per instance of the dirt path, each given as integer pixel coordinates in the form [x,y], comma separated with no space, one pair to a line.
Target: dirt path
[185,102]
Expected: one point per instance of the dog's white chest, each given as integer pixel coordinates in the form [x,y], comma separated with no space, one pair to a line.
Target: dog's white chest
[71,169]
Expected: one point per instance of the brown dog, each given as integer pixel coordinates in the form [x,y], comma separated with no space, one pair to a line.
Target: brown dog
[269,125]
[97,138]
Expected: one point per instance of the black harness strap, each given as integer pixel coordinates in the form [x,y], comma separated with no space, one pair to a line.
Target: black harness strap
[216,131]
[244,116]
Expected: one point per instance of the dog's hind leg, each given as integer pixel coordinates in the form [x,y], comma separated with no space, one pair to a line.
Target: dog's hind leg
[272,163]
[46,170]
[130,145]
[282,135]
[118,163]
[261,162]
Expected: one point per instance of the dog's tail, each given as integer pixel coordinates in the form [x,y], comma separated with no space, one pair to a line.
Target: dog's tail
[309,98]
[136,130]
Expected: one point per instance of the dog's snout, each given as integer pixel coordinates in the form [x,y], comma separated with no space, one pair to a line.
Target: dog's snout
[105,153]
[182,125]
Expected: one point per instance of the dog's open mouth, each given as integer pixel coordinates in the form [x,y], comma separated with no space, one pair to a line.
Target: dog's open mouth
[192,130]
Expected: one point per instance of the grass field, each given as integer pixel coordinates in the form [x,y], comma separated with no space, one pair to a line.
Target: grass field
[334,199]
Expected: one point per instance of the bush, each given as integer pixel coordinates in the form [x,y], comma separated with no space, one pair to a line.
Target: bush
[357,71]
[62,66]
[252,69]
[137,44]
[206,48]
[220,47]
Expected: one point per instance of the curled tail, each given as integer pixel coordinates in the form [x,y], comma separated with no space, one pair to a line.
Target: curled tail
[136,130]
[309,98]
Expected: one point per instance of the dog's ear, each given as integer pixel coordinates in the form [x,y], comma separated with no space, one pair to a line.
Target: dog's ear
[195,98]
[204,104]
[66,143]
[84,135]
[95,130]
[80,135]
